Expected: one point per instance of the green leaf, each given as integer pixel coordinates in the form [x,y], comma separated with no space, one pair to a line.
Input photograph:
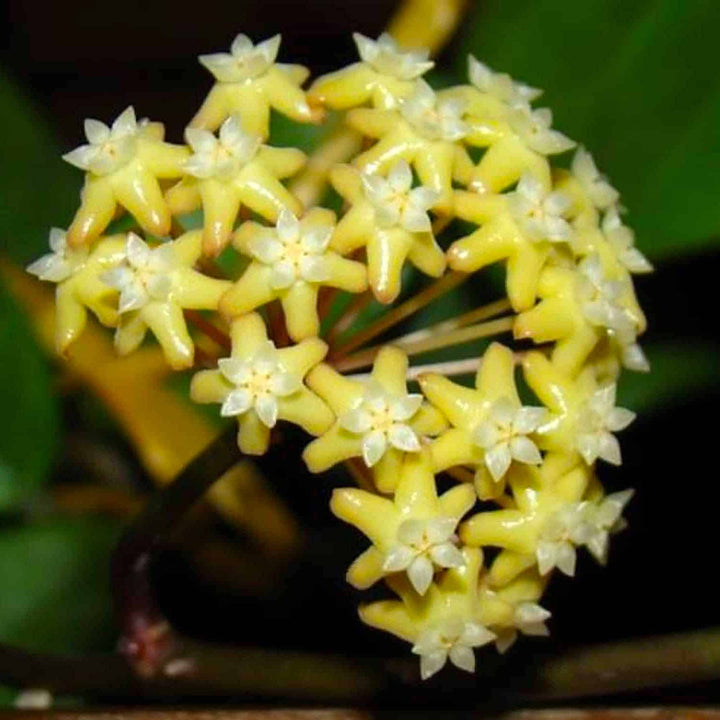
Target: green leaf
[28,409]
[678,373]
[39,190]
[55,579]
[637,83]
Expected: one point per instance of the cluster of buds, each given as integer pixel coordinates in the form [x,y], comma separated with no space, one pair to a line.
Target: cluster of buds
[524,475]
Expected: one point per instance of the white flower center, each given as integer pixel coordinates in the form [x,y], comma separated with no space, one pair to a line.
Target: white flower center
[380,418]
[258,383]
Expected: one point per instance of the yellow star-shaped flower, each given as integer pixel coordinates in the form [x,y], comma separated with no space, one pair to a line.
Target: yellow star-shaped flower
[260,385]
[490,427]
[291,263]
[520,227]
[77,272]
[542,495]
[443,624]
[230,171]
[424,132]
[579,307]
[123,164]
[249,82]
[155,285]
[384,76]
[376,419]
[583,412]
[390,220]
[412,532]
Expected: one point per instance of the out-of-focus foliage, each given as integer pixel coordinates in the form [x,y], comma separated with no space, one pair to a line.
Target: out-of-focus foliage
[28,409]
[55,584]
[637,84]
[38,189]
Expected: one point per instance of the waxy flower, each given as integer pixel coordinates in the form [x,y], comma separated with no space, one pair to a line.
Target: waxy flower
[534,128]
[502,235]
[454,639]
[541,525]
[424,133]
[155,285]
[503,435]
[250,82]
[500,85]
[412,533]
[580,307]
[538,212]
[62,262]
[123,164]
[260,384]
[291,263]
[230,171]
[600,192]
[490,428]
[77,272]
[376,419]
[385,75]
[622,240]
[390,220]
[442,624]
[528,618]
[598,419]
[604,518]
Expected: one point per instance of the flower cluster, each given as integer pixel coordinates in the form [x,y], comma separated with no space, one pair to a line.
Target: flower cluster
[479,153]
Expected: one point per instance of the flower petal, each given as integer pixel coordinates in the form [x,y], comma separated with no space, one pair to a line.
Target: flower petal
[236,403]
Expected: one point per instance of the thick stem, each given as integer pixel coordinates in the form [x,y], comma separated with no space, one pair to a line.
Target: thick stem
[146,638]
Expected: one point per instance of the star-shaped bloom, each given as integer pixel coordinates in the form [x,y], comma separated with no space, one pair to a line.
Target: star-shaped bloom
[563,531]
[595,185]
[517,227]
[230,171]
[442,624]
[622,240]
[500,85]
[503,435]
[598,419]
[291,263]
[534,128]
[62,262]
[77,272]
[260,384]
[452,639]
[528,618]
[376,419]
[582,414]
[580,307]
[544,521]
[539,212]
[390,220]
[433,117]
[250,82]
[123,164]
[413,533]
[395,203]
[385,75]
[489,426]
[155,285]
[604,518]
[425,133]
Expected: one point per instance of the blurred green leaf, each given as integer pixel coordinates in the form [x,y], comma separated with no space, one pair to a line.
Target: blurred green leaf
[637,83]
[41,190]
[55,578]
[29,418]
[678,372]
